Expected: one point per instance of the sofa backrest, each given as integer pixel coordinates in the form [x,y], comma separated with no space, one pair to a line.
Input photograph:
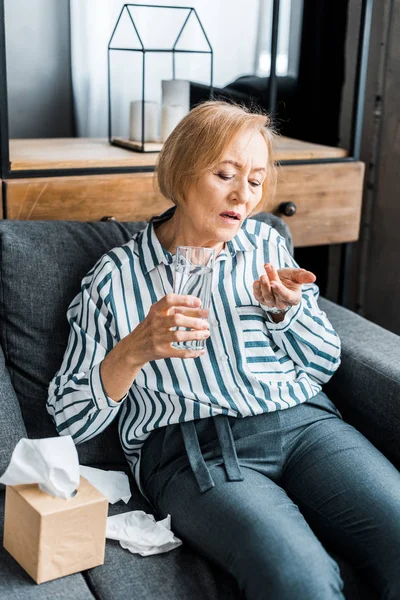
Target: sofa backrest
[41,268]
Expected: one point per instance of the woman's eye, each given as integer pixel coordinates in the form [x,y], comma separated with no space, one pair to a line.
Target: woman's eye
[224,176]
[255,183]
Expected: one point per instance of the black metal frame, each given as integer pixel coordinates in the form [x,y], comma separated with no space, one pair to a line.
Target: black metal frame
[356,132]
[145,51]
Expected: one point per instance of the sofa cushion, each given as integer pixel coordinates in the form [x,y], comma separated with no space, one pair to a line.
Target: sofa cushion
[12,427]
[181,574]
[16,584]
[42,265]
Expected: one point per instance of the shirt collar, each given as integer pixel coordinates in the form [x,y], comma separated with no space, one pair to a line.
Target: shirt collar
[150,249]
[244,241]
[153,253]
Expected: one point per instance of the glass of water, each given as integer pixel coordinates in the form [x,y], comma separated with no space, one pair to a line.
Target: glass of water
[193,276]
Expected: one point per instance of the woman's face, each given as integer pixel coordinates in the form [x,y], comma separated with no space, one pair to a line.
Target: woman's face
[234,186]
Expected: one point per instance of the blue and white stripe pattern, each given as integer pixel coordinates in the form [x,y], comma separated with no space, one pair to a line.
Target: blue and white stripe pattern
[252,365]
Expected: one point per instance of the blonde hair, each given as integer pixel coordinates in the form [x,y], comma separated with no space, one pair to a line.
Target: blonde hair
[198,142]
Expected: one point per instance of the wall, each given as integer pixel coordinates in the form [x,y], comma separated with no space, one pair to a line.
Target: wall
[379,288]
[38,68]
[374,290]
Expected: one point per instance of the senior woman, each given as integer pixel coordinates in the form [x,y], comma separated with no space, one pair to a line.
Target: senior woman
[237,442]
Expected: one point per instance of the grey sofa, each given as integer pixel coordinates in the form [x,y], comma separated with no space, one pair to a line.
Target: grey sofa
[41,266]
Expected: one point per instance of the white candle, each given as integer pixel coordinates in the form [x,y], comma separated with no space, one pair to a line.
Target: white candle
[176,92]
[171,115]
[151,120]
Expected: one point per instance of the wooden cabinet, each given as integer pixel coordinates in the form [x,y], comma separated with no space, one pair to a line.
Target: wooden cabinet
[327,196]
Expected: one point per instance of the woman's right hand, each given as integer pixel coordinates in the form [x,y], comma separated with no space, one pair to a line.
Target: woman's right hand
[152,338]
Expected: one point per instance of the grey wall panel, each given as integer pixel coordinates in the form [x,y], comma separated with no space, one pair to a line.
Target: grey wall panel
[38,68]
[382,288]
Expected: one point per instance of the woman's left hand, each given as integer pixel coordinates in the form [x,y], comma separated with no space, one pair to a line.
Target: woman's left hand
[281,288]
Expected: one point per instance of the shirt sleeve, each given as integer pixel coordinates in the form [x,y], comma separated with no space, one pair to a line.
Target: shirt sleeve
[77,401]
[305,333]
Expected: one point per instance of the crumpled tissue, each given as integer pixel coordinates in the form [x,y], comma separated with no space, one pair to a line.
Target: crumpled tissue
[50,462]
[141,534]
[112,484]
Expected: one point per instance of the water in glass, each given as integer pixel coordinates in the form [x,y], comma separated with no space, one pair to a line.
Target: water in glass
[195,280]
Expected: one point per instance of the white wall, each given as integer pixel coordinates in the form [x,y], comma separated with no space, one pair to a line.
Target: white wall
[38,68]
[231,26]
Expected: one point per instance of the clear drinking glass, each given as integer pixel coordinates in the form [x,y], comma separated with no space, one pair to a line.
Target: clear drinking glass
[193,276]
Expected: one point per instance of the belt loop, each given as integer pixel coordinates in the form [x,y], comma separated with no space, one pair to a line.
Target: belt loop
[227,444]
[196,460]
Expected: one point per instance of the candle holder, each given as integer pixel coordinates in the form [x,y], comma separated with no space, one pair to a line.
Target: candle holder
[145,134]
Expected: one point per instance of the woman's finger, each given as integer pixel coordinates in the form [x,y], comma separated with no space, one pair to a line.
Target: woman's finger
[278,290]
[201,313]
[180,320]
[296,276]
[284,295]
[265,284]
[185,336]
[265,294]
[272,273]
[258,291]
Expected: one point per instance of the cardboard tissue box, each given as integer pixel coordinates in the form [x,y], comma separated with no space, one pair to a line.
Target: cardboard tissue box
[55,520]
[52,537]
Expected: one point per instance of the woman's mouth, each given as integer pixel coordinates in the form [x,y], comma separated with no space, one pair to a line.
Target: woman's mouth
[230,219]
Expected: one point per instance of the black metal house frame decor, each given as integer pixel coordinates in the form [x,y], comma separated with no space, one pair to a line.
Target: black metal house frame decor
[173,51]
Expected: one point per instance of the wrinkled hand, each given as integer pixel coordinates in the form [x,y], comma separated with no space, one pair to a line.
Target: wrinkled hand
[152,338]
[281,288]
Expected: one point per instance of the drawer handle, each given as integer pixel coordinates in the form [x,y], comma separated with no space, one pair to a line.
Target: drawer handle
[287,208]
[108,219]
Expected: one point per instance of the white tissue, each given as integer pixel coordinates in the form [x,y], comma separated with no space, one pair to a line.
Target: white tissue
[140,533]
[112,484]
[51,462]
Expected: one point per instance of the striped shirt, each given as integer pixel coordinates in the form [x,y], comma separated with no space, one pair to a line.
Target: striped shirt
[252,365]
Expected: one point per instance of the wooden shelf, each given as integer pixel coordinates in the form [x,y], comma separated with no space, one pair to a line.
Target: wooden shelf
[78,153]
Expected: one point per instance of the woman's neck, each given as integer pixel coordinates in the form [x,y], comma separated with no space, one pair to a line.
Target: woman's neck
[169,239]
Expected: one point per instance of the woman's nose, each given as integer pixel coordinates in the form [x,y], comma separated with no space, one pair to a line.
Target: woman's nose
[240,193]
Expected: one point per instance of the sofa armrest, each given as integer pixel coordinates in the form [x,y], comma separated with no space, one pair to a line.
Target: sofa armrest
[366,387]
[12,427]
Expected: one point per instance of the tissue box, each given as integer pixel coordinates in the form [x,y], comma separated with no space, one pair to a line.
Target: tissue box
[51,537]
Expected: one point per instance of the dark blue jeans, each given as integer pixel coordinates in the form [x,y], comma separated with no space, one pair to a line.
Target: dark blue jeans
[264,497]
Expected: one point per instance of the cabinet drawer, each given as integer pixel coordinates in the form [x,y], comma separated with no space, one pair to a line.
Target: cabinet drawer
[127,197]
[328,201]
[327,198]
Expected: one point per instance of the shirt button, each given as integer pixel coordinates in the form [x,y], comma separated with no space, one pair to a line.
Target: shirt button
[224,357]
